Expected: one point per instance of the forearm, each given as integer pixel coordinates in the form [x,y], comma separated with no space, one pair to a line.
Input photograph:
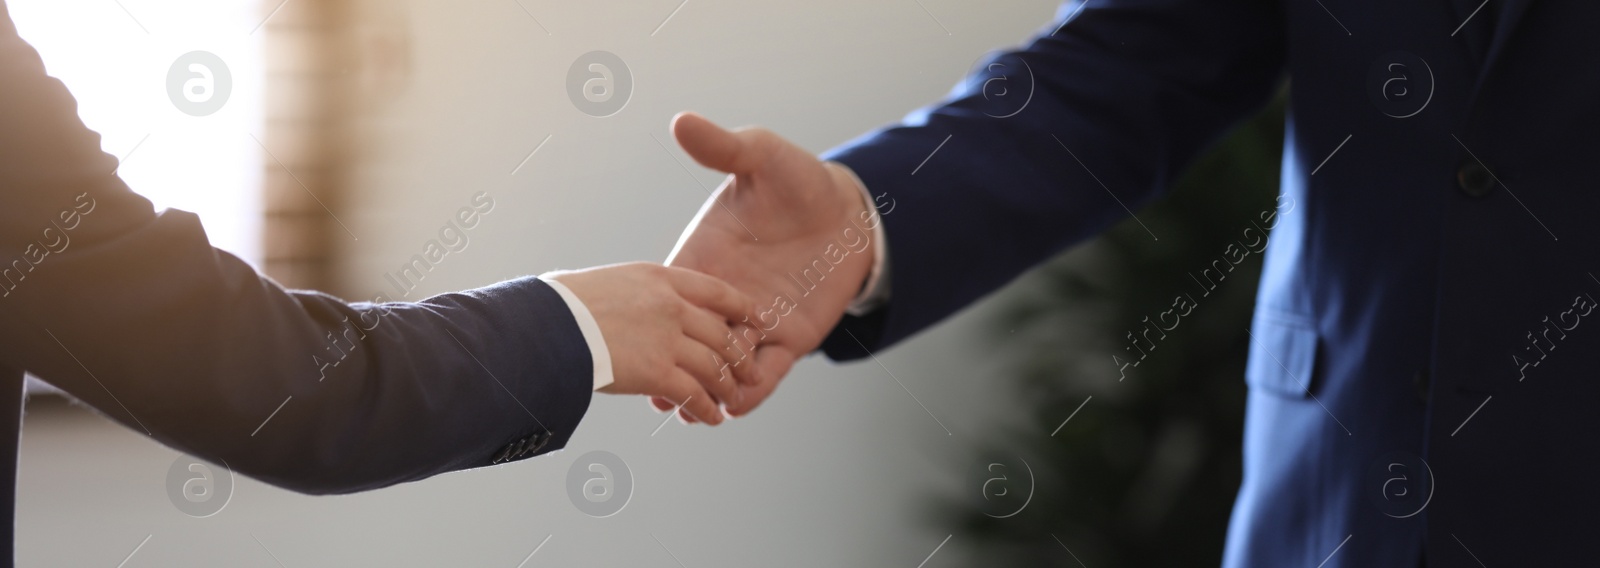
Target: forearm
[1047,145]
[171,337]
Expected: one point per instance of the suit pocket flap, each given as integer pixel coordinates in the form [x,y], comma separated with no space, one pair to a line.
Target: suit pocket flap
[1283,357]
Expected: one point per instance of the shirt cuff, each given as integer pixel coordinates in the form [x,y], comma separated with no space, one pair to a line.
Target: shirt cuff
[875,292]
[591,332]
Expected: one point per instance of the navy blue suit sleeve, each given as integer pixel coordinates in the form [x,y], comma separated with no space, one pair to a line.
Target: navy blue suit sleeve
[133,312]
[1042,147]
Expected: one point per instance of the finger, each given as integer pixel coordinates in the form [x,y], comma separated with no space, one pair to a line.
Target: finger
[711,293]
[741,353]
[711,331]
[711,145]
[700,363]
[687,394]
[772,363]
[707,327]
[664,405]
[686,418]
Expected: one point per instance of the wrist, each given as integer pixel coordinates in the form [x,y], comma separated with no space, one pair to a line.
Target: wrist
[868,224]
[588,326]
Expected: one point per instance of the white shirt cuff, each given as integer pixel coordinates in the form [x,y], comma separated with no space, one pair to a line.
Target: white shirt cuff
[590,329]
[875,292]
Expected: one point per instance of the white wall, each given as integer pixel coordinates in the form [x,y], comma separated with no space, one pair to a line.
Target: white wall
[836,470]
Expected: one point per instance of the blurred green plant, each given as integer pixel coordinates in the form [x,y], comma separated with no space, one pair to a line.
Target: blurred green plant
[1145,472]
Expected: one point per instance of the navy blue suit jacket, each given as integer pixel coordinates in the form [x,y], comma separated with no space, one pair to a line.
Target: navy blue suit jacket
[1437,227]
[134,313]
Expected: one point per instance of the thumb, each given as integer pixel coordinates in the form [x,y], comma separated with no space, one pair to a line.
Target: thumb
[711,145]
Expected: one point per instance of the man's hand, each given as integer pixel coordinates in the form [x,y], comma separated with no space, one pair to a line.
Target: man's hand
[785,228]
[664,328]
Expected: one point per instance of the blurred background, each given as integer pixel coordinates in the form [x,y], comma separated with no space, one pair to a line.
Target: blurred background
[351,132]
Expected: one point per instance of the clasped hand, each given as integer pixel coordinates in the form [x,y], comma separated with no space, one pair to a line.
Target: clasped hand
[677,333]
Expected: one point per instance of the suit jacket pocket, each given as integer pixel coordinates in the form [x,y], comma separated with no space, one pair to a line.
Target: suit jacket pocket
[1283,355]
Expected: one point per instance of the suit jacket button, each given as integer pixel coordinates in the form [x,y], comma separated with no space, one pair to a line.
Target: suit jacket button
[503,455]
[1474,179]
[540,441]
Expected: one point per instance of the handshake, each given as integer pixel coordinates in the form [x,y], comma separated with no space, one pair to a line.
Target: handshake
[761,275]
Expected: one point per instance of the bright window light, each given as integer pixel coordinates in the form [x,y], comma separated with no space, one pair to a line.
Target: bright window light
[187,133]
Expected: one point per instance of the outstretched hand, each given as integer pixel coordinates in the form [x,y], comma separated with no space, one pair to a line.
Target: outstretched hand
[786,229]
